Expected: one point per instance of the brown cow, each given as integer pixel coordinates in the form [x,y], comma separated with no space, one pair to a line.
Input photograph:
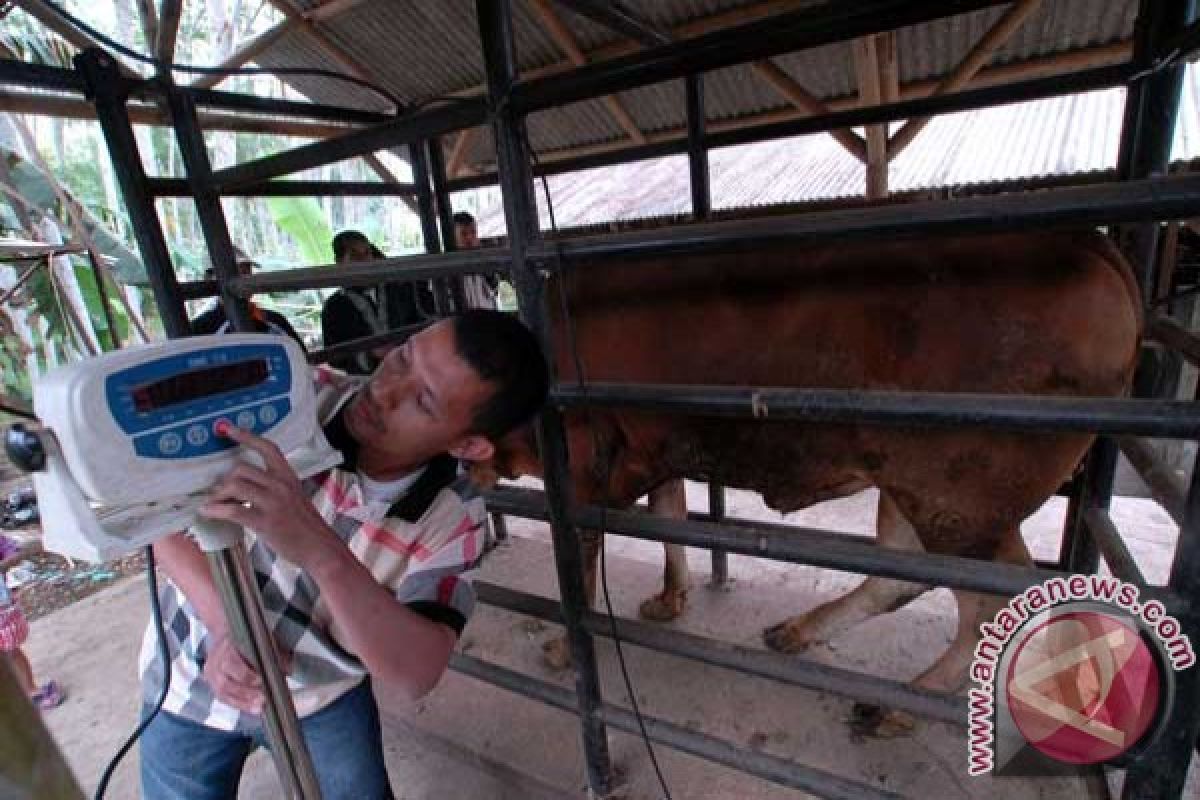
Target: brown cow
[1036,313]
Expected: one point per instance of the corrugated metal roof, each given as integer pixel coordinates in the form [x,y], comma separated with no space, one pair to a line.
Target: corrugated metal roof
[419,49]
[1040,139]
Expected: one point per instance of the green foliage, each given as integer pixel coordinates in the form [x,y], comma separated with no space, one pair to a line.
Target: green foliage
[304,221]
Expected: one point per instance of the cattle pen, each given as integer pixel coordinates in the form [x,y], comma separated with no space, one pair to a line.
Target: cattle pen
[1130,206]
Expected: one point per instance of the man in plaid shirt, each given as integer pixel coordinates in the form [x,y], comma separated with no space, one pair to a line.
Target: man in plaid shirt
[362,569]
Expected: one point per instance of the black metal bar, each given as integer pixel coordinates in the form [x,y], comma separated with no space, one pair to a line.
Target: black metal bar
[790,670]
[177,187]
[1165,486]
[441,194]
[781,33]
[762,765]
[419,161]
[297,109]
[400,268]
[1080,551]
[1152,198]
[365,343]
[1148,129]
[1116,554]
[520,214]
[1034,89]
[400,130]
[1172,334]
[614,16]
[697,152]
[1166,418]
[217,240]
[40,76]
[716,510]
[104,83]
[800,545]
[1161,771]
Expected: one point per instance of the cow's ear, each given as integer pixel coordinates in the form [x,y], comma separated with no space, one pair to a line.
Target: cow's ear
[473,448]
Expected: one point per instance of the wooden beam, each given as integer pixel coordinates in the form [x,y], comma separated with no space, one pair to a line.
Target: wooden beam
[866,66]
[21,102]
[387,176]
[330,9]
[149,16]
[562,36]
[1045,67]
[70,33]
[335,51]
[809,103]
[168,30]
[980,54]
[247,53]
[458,153]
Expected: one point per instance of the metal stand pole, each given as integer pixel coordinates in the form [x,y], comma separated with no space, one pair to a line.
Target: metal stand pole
[234,577]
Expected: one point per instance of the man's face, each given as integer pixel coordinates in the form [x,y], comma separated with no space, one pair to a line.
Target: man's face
[357,250]
[465,236]
[418,404]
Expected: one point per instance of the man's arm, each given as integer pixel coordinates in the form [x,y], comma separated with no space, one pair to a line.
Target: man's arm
[232,678]
[403,650]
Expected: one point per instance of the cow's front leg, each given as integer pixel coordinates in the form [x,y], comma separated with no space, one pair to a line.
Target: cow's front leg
[557,651]
[670,501]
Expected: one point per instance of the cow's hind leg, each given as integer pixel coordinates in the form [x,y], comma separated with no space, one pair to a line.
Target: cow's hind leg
[949,673]
[873,596]
[669,500]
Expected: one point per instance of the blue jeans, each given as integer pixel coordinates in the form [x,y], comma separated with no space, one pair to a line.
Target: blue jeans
[184,760]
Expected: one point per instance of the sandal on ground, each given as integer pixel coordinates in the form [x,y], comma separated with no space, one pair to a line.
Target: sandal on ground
[49,695]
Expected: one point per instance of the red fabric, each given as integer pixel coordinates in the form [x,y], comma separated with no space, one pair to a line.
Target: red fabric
[14,630]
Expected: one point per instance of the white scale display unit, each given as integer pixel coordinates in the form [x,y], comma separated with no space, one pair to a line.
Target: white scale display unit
[132,447]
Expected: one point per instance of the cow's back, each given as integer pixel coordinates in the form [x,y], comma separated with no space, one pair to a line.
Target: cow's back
[1038,313]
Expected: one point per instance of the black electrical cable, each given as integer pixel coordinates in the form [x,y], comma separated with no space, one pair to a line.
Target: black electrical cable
[569,326]
[208,70]
[164,658]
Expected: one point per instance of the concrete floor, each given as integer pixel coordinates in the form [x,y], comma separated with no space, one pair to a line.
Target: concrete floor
[470,740]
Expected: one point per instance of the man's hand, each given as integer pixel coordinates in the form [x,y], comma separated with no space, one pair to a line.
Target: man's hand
[270,501]
[232,678]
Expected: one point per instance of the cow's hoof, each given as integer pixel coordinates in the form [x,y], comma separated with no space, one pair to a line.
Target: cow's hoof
[557,653]
[663,607]
[788,636]
[876,723]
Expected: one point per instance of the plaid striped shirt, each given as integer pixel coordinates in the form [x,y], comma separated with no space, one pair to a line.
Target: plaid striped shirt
[422,547]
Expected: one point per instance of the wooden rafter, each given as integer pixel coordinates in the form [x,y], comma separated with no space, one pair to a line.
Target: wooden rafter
[805,101]
[73,36]
[458,153]
[553,25]
[335,51]
[980,54]
[1045,67]
[168,30]
[330,9]
[387,176]
[247,52]
[866,66]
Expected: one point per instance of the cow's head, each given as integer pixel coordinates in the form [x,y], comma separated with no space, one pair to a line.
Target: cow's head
[515,455]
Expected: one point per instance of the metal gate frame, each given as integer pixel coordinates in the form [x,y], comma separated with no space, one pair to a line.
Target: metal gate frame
[1143,195]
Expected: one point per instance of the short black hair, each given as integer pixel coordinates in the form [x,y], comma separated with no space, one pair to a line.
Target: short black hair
[505,353]
[463,218]
[342,242]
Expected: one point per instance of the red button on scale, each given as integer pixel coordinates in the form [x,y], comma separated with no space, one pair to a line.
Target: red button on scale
[221,425]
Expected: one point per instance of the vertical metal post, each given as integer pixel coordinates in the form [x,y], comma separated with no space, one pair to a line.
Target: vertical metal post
[109,90]
[418,157]
[1148,129]
[208,204]
[720,558]
[520,212]
[445,213]
[1093,489]
[1160,772]
[697,152]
